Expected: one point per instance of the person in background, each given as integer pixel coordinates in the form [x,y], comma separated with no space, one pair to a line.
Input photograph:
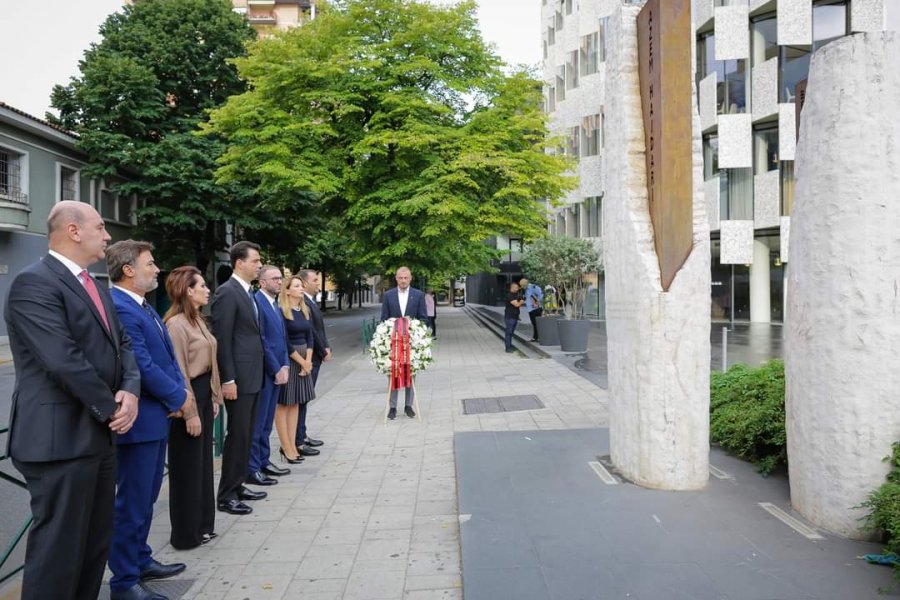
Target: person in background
[534,297]
[511,314]
[431,311]
[192,498]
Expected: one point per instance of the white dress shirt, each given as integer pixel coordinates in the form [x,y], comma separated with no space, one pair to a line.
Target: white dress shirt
[403,298]
[68,263]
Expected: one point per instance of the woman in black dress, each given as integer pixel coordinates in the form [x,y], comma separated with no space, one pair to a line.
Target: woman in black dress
[299,388]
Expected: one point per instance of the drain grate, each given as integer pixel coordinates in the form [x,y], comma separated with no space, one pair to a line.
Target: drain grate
[501,404]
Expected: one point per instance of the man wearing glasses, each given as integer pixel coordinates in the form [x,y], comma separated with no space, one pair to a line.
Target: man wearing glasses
[275,345]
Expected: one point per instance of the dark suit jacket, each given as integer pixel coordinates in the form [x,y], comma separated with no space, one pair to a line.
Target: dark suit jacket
[162,387]
[274,335]
[320,343]
[415,306]
[68,365]
[237,332]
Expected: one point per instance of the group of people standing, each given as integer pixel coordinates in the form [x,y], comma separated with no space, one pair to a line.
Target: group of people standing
[106,390]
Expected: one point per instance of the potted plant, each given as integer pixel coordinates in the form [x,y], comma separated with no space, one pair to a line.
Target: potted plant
[564,263]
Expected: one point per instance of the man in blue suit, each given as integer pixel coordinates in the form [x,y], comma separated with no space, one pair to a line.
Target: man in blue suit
[141,453]
[275,346]
[403,301]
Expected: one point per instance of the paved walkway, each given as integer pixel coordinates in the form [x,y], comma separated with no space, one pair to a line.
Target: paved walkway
[375,515]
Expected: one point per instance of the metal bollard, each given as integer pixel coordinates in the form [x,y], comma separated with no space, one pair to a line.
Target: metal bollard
[724,349]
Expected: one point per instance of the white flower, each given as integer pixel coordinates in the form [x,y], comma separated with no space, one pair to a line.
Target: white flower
[420,346]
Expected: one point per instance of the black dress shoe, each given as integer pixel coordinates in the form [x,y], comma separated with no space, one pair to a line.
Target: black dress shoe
[248,494]
[137,592]
[260,479]
[157,570]
[235,507]
[312,443]
[410,412]
[274,471]
[291,461]
[305,451]
[392,414]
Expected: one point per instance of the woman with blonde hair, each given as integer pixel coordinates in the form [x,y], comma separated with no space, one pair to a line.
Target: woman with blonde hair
[299,388]
[192,504]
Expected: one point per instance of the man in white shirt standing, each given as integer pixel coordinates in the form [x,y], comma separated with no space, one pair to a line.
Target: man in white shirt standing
[403,301]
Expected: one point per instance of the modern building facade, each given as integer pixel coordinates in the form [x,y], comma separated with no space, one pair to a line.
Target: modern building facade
[39,166]
[268,16]
[574,50]
[753,59]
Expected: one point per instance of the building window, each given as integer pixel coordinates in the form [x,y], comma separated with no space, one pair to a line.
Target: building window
[735,185]
[124,209]
[794,69]
[589,53]
[706,56]
[591,211]
[68,184]
[732,76]
[569,7]
[574,142]
[561,223]
[764,40]
[561,83]
[13,176]
[830,22]
[601,46]
[108,200]
[573,221]
[710,156]
[551,99]
[590,135]
[558,21]
[116,207]
[515,249]
[551,35]
[787,187]
[765,142]
[572,70]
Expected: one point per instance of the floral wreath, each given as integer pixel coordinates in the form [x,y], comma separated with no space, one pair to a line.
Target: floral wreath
[420,343]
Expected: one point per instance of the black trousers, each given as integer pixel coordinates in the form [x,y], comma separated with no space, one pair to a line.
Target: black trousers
[72,503]
[533,315]
[192,499]
[241,415]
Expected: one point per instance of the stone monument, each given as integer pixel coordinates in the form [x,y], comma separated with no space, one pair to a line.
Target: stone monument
[842,327]
[656,251]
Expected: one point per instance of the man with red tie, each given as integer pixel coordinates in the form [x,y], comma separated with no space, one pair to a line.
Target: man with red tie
[76,386]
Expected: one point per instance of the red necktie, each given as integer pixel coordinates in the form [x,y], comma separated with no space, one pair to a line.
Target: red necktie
[91,289]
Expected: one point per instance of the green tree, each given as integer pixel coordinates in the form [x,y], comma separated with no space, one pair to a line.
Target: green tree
[160,66]
[564,263]
[399,118]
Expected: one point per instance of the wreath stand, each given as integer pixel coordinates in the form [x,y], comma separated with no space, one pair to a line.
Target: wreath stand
[387,402]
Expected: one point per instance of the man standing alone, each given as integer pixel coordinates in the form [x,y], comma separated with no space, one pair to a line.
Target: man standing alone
[76,384]
[403,301]
[141,453]
[235,321]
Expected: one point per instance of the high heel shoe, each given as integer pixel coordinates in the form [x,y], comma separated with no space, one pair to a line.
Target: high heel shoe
[290,461]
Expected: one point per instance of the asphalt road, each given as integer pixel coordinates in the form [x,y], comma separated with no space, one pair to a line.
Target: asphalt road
[344,331]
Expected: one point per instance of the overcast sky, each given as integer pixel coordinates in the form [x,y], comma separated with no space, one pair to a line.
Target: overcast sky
[43,41]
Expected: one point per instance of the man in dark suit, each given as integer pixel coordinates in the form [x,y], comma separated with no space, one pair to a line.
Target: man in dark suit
[141,453]
[277,364]
[307,446]
[403,301]
[235,322]
[76,385]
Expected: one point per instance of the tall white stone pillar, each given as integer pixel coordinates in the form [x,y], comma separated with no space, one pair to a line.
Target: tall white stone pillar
[658,342]
[842,333]
[760,285]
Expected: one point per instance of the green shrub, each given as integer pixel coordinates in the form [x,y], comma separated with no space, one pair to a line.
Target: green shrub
[747,413]
[885,506]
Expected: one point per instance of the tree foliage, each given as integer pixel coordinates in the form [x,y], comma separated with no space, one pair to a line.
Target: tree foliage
[398,117]
[140,96]
[564,263]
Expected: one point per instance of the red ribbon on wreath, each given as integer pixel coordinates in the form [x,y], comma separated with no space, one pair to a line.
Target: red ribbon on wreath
[401,355]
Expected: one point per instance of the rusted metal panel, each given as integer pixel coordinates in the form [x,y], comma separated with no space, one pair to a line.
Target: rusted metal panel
[665,66]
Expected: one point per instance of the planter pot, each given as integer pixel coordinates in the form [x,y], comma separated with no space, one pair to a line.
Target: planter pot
[573,335]
[548,334]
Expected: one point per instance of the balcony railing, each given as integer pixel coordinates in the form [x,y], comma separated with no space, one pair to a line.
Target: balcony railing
[14,195]
[259,18]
